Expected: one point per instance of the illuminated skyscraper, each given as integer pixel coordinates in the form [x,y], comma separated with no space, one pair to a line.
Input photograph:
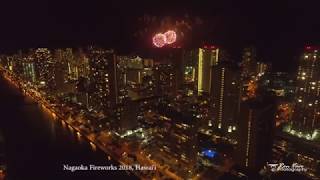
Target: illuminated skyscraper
[107,79]
[29,69]
[251,72]
[61,70]
[83,70]
[18,63]
[306,117]
[134,68]
[208,57]
[102,69]
[82,63]
[189,71]
[138,75]
[72,64]
[225,93]
[174,59]
[45,68]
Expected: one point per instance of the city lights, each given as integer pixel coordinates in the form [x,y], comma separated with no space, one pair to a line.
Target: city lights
[175,108]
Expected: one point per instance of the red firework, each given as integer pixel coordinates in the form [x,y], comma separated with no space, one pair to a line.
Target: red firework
[159,40]
[171,36]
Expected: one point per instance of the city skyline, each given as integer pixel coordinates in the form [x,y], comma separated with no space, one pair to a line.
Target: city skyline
[187,109]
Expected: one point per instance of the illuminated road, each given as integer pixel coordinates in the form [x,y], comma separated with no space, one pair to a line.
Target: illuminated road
[37,146]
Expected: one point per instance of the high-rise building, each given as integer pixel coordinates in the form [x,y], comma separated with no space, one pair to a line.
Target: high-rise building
[262,68]
[107,81]
[190,69]
[175,58]
[306,116]
[183,64]
[128,115]
[134,68]
[82,63]
[207,57]
[225,94]
[255,132]
[82,83]
[248,63]
[178,62]
[138,76]
[28,69]
[177,136]
[18,63]
[61,70]
[70,64]
[165,79]
[250,66]
[45,68]
[66,70]
[103,92]
[251,72]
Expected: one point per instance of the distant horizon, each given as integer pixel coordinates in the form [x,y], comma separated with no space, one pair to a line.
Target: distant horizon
[236,53]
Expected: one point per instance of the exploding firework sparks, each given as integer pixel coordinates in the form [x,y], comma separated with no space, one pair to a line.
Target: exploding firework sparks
[184,27]
[159,40]
[171,37]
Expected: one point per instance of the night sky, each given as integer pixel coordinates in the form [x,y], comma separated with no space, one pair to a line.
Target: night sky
[277,28]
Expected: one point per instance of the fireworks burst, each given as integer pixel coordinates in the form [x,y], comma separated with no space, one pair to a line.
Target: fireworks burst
[182,27]
[171,37]
[159,40]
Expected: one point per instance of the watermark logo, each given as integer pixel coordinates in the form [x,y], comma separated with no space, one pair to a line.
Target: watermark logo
[295,167]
